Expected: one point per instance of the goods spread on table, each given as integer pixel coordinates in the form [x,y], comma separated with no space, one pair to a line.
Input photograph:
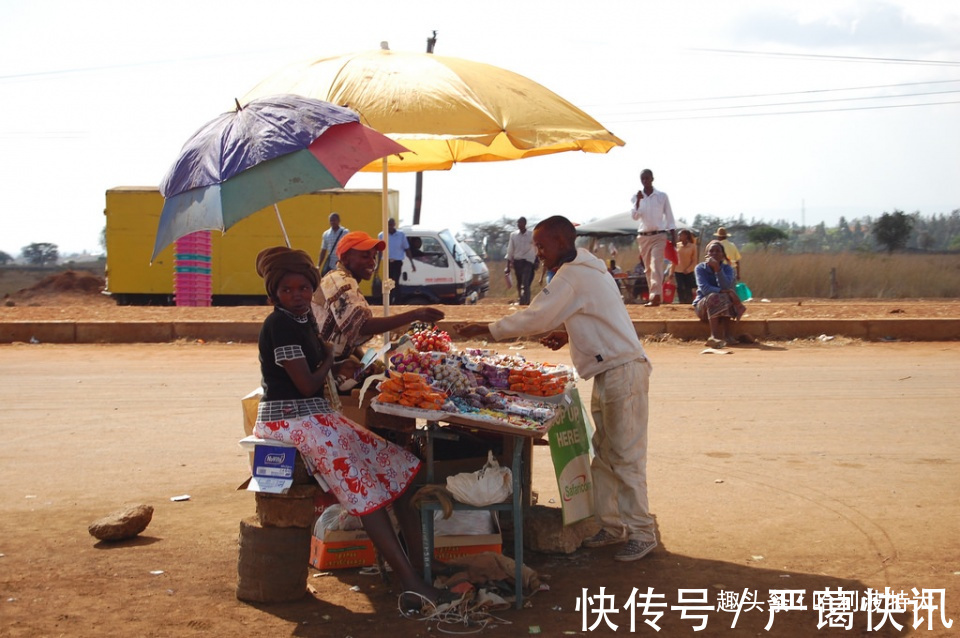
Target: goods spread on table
[427,378]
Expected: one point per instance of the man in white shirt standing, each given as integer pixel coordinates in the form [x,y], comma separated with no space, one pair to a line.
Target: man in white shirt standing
[657,226]
[522,257]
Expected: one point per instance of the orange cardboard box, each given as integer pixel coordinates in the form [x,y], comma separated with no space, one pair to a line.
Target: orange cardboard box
[340,550]
[447,548]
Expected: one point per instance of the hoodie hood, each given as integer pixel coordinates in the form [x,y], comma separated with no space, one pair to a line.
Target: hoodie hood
[587,259]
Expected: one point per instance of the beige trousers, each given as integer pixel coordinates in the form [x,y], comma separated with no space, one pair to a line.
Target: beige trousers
[651,252]
[619,407]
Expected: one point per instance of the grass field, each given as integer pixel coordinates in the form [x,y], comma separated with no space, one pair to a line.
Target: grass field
[858,275]
[768,274]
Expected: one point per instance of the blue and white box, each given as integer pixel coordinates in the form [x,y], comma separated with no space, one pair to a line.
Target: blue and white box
[272,467]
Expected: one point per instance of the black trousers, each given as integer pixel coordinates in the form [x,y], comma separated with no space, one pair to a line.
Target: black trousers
[524,270]
[686,286]
[394,268]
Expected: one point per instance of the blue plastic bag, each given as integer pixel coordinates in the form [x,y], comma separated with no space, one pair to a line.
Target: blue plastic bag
[743,291]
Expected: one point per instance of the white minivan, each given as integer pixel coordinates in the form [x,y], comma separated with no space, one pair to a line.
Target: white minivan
[443,270]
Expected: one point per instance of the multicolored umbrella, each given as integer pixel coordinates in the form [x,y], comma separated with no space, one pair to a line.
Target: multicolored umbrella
[266,151]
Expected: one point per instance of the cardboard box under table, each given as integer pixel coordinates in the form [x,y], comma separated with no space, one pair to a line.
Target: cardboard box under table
[448,548]
[336,549]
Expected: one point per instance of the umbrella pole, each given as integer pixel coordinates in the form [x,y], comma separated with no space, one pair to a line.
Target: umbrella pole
[385,259]
[283,228]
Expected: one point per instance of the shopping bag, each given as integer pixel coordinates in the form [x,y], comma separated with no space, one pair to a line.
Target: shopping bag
[488,485]
[670,252]
[743,291]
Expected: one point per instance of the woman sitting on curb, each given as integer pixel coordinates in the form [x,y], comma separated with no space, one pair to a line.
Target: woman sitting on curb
[717,301]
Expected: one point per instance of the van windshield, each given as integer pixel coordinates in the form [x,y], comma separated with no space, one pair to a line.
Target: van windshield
[453,246]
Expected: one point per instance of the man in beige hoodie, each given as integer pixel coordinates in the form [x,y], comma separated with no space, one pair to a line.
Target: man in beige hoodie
[582,306]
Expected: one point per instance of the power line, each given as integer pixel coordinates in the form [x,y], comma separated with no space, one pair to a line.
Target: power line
[824,101]
[834,58]
[729,115]
[804,92]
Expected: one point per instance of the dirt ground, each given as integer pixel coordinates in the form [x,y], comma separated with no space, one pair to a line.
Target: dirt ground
[75,296]
[800,465]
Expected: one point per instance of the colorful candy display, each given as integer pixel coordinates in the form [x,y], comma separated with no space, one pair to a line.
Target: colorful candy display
[479,383]
[429,338]
[411,390]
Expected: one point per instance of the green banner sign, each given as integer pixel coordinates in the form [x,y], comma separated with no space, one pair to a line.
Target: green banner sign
[570,449]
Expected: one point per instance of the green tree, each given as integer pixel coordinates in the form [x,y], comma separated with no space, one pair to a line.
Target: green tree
[893,230]
[5,258]
[40,254]
[766,235]
[493,235]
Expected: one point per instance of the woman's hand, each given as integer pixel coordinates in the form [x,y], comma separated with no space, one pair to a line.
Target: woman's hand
[429,314]
[714,264]
[348,368]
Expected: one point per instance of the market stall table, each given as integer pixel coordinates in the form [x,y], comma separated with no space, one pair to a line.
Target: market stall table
[515,438]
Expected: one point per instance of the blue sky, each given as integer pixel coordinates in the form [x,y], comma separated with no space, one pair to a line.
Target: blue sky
[803,111]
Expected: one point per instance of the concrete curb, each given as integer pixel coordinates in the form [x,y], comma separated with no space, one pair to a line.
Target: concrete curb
[248,332]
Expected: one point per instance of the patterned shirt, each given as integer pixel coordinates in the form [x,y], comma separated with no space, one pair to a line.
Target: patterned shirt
[341,310]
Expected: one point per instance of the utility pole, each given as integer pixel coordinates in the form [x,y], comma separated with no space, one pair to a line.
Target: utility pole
[418,192]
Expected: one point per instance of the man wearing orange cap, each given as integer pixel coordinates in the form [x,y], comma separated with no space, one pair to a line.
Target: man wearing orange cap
[344,317]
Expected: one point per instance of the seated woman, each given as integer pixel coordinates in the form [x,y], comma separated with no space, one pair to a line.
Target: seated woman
[716,301]
[364,472]
[343,315]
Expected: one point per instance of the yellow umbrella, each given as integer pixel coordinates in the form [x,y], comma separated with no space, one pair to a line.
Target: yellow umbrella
[445,110]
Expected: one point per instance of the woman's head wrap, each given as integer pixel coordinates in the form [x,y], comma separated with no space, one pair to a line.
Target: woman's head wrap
[274,263]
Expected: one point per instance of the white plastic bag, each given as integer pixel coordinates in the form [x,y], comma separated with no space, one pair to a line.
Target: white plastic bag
[488,485]
[336,519]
